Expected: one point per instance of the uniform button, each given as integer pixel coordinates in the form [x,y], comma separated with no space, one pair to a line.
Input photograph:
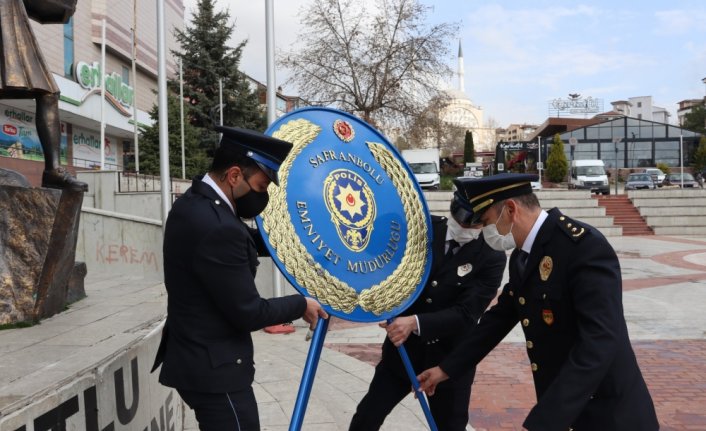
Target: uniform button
[239,361]
[544,296]
[535,367]
[522,300]
[530,344]
[429,301]
[218,202]
[562,218]
[434,283]
[525,322]
[511,293]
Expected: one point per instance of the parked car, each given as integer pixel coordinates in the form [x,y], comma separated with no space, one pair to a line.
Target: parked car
[675,180]
[639,181]
[657,175]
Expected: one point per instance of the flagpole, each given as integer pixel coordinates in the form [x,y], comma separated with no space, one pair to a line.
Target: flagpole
[102,72]
[163,121]
[136,146]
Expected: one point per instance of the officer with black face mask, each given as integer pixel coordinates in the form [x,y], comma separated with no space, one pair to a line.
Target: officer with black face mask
[210,259]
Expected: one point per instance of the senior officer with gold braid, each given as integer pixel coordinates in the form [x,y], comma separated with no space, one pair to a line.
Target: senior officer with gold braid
[565,290]
[210,259]
[465,276]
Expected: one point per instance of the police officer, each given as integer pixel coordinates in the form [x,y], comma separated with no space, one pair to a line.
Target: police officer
[210,258]
[464,278]
[565,290]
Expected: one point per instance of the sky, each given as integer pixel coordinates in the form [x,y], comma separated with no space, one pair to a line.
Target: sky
[520,55]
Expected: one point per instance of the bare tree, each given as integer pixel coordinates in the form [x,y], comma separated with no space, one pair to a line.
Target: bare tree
[382,63]
[430,130]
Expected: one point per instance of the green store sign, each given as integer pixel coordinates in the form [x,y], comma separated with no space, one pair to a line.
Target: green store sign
[89,76]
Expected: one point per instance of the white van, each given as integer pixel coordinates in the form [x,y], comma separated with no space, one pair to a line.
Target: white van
[425,166]
[589,174]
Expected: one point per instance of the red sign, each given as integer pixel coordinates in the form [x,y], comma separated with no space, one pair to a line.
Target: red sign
[9,129]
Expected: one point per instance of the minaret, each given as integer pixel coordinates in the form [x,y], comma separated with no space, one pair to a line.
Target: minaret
[461,79]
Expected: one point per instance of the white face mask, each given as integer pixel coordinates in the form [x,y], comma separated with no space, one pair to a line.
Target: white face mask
[460,234]
[495,240]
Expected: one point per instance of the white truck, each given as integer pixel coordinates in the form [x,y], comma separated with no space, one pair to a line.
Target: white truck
[589,174]
[425,166]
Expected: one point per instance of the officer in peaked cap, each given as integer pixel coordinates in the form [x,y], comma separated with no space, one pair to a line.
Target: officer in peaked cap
[464,278]
[210,259]
[267,152]
[473,196]
[565,290]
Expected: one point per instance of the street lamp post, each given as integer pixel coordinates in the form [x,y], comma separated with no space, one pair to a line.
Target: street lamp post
[572,143]
[616,141]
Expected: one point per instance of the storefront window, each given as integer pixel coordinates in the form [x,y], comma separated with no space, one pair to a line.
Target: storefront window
[69,48]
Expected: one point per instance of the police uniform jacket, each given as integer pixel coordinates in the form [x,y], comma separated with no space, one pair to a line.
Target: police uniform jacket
[569,304]
[457,292]
[210,259]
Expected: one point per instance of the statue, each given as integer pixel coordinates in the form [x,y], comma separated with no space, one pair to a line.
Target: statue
[39,230]
[24,75]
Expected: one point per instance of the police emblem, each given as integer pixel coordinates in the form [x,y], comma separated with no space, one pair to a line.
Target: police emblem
[348,224]
[464,269]
[545,268]
[352,206]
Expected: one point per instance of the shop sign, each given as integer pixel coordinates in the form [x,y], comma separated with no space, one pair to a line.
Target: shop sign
[18,135]
[576,105]
[87,148]
[89,76]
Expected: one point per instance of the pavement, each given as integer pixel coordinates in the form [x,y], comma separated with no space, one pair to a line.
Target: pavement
[664,283]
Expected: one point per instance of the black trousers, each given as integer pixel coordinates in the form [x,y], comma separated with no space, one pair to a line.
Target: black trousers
[229,411]
[448,405]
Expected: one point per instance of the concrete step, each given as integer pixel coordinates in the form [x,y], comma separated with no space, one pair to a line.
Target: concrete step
[562,194]
[685,201]
[667,193]
[568,203]
[673,211]
[596,221]
[680,230]
[681,220]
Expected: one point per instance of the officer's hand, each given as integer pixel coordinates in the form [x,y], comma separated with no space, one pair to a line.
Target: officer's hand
[430,378]
[313,312]
[398,331]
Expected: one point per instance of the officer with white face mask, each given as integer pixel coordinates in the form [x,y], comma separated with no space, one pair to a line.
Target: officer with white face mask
[565,290]
[464,278]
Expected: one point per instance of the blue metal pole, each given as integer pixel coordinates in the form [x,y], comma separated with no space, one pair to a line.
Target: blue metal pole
[312,362]
[415,384]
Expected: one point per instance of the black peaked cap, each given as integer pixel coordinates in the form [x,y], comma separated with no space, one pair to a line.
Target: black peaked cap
[266,151]
[479,194]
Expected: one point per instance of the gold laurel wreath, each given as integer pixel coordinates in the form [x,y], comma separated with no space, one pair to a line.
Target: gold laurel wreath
[308,273]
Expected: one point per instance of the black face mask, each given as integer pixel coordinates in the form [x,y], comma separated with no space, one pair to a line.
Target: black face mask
[251,203]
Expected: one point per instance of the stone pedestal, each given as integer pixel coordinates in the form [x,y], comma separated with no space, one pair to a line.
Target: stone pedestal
[38,233]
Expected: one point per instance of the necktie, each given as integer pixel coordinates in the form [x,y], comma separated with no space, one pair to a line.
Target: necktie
[521,261]
[453,245]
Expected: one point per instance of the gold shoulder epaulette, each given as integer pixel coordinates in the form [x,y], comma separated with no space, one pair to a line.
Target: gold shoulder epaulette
[573,229]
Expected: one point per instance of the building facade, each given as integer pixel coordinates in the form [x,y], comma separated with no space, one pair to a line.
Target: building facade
[72,52]
[641,108]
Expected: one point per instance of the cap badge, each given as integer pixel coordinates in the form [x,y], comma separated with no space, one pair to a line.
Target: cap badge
[548,316]
[545,268]
[464,269]
[343,130]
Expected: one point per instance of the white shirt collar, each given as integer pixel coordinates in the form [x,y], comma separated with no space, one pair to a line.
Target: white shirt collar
[527,245]
[208,180]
